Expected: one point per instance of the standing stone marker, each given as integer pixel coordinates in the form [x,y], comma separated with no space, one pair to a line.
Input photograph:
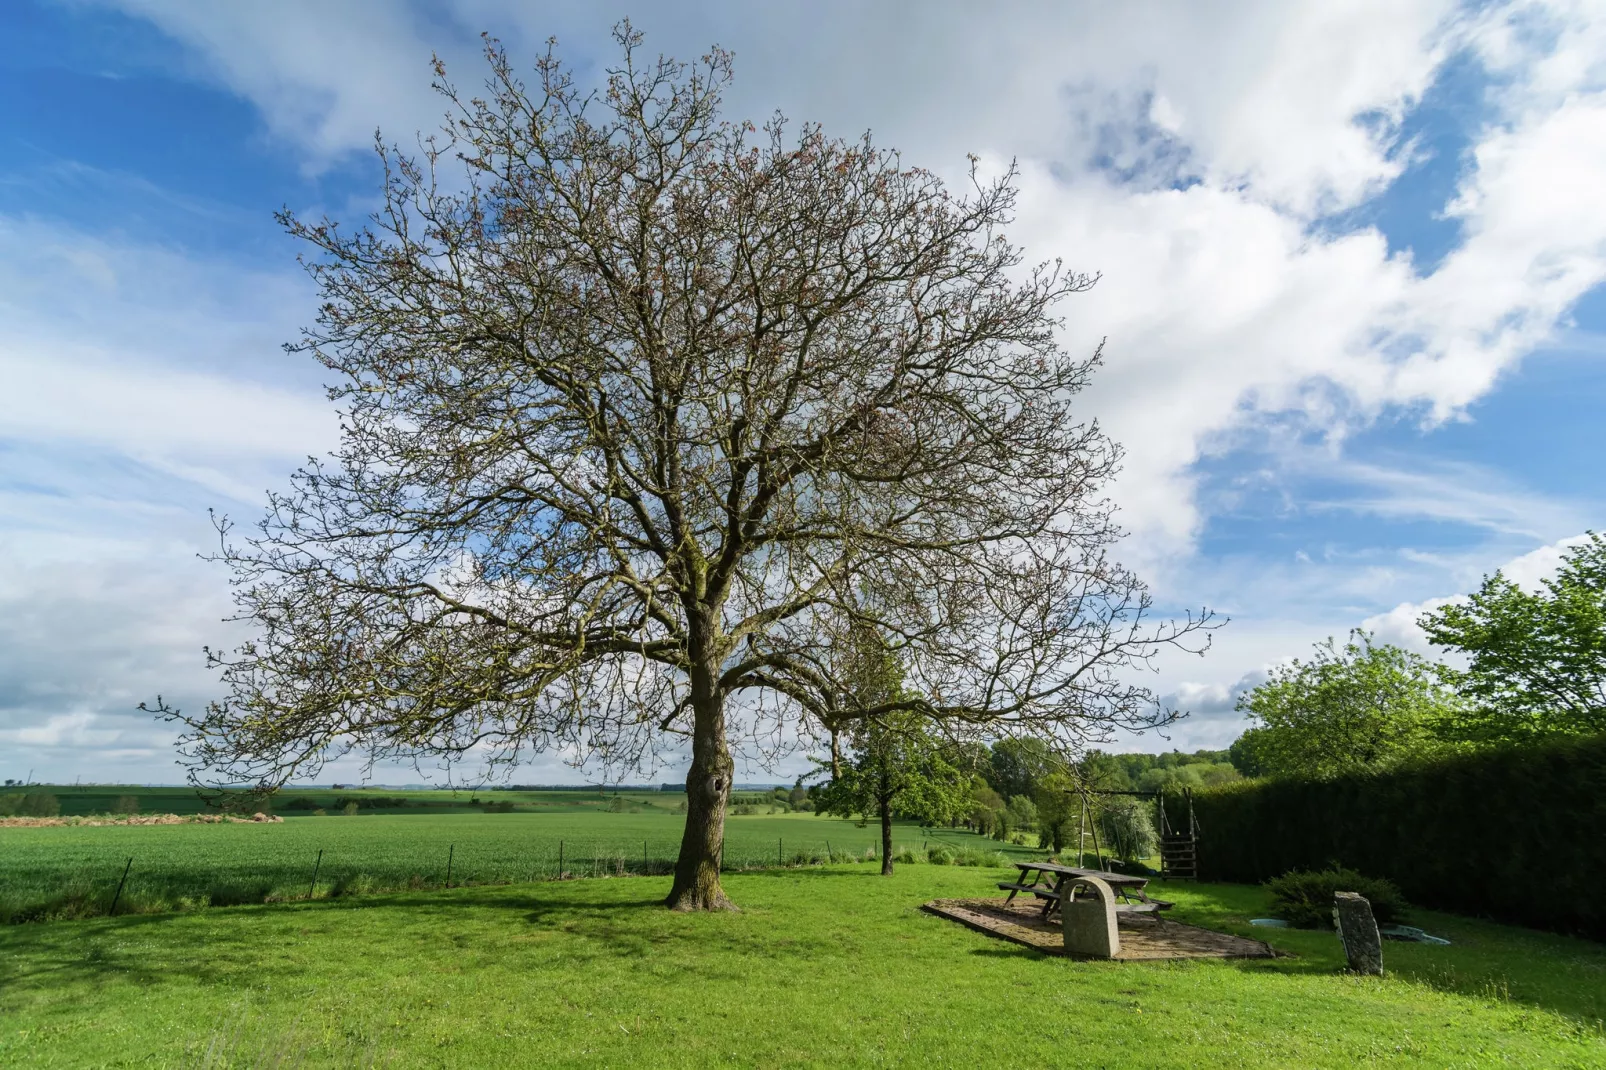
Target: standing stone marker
[1088,921]
[1352,917]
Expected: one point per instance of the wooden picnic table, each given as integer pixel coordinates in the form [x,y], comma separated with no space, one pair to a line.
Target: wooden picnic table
[1131,889]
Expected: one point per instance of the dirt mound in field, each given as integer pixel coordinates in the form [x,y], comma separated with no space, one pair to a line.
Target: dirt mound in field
[141,819]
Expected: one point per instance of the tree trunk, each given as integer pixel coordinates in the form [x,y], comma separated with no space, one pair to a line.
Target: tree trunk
[708,786]
[886,837]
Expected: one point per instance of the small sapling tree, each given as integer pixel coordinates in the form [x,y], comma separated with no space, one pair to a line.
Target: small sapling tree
[895,768]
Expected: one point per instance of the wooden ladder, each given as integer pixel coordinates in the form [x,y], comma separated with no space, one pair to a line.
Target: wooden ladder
[1179,850]
[1179,858]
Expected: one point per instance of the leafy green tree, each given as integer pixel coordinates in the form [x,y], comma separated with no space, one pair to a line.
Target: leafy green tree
[1059,807]
[1127,825]
[1252,754]
[1022,813]
[1109,772]
[895,769]
[1537,660]
[1015,765]
[984,807]
[1191,775]
[1352,708]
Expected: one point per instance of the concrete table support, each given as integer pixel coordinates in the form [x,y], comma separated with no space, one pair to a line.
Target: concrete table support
[1087,918]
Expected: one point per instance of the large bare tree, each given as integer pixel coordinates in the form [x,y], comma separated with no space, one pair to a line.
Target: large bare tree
[642,408]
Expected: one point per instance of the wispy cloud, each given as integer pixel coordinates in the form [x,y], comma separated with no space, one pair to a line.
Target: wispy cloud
[1472,495]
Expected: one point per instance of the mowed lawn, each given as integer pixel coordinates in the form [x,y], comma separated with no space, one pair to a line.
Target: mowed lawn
[823,966]
[72,870]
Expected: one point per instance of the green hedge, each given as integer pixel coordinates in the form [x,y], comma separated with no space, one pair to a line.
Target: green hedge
[1515,834]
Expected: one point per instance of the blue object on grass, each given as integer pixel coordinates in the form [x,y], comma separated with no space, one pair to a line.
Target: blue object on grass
[1409,932]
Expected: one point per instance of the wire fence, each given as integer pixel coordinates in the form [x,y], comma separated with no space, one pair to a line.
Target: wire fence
[160,884]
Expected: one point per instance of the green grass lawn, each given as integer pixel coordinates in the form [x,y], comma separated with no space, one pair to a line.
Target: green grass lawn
[823,966]
[68,871]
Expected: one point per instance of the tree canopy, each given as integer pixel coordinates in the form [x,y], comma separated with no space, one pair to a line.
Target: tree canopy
[642,410]
[1536,659]
[895,768]
[1352,708]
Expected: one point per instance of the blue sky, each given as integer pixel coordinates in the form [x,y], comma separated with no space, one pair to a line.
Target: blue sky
[1352,255]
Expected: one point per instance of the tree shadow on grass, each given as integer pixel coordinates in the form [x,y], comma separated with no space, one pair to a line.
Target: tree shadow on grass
[277,943]
[1485,961]
[101,952]
[1012,951]
[799,872]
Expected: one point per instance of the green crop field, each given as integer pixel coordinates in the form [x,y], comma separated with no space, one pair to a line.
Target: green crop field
[65,871]
[824,966]
[102,798]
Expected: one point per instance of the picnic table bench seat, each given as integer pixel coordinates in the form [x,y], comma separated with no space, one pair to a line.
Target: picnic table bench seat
[1153,906]
[1125,888]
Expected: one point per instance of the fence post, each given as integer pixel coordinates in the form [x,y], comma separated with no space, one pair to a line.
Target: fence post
[560,860]
[450,851]
[120,883]
[313,883]
[779,855]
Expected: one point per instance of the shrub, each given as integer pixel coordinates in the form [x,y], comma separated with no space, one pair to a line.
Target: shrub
[373,802]
[356,884]
[1304,899]
[40,804]
[238,893]
[1087,860]
[10,804]
[350,809]
[908,855]
[1133,869]
[126,804]
[302,804]
[501,806]
[940,855]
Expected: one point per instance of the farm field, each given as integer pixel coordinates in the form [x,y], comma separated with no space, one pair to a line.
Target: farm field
[101,798]
[823,966]
[74,870]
